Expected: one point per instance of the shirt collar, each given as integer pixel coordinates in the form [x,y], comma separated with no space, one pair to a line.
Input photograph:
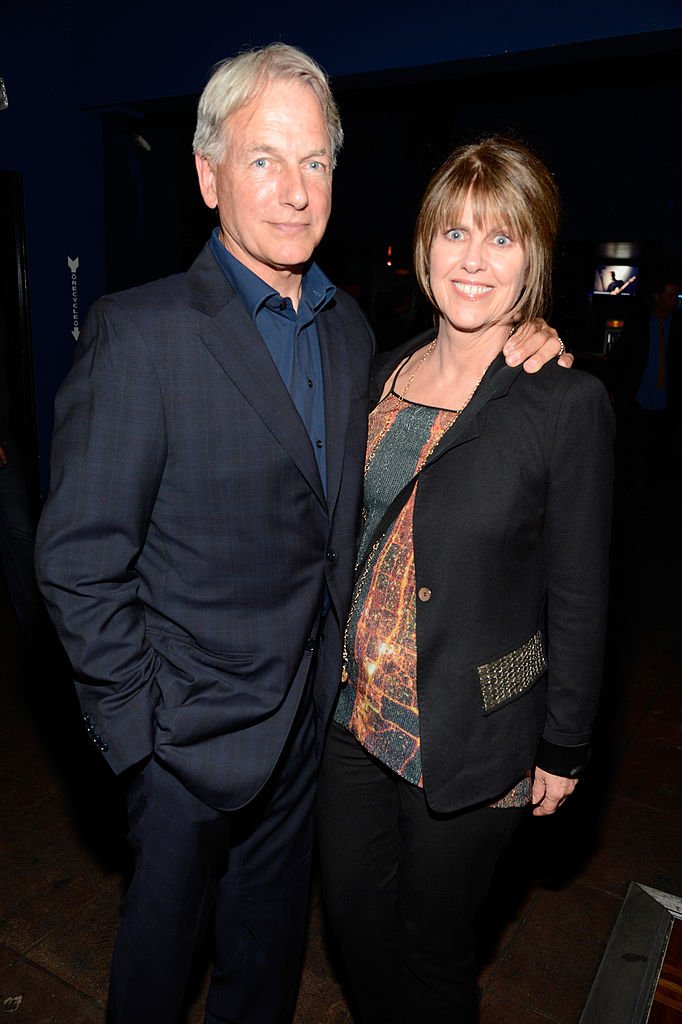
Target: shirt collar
[316,288]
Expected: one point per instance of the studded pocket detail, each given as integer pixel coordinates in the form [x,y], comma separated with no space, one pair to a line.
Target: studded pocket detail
[510,676]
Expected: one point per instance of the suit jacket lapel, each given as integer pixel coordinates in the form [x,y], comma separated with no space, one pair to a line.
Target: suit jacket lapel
[335,352]
[230,335]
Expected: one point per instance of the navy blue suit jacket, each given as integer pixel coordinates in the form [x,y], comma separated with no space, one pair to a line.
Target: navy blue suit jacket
[186,541]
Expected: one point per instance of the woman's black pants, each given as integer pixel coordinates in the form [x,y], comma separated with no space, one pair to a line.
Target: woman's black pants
[402,887]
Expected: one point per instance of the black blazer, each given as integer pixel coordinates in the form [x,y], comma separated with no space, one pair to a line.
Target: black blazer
[511,538]
[186,542]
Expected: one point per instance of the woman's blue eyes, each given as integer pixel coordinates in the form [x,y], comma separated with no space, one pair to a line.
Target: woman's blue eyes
[501,241]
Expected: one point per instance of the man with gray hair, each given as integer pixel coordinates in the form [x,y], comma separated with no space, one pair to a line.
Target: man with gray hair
[196,550]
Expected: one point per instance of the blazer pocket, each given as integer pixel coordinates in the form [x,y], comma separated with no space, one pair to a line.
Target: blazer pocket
[188,673]
[512,675]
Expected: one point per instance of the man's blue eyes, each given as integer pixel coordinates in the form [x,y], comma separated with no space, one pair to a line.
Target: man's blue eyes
[312,165]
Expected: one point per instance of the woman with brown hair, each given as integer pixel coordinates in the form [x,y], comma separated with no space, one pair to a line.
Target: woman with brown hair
[475,638]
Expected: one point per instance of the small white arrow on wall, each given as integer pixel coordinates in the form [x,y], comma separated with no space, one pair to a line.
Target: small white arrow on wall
[73,267]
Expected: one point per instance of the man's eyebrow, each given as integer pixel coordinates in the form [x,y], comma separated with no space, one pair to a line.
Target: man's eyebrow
[258,147]
[261,147]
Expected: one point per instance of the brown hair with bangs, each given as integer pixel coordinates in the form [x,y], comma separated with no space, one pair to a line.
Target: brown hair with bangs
[510,189]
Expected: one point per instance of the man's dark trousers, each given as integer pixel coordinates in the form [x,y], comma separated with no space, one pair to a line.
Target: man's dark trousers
[192,859]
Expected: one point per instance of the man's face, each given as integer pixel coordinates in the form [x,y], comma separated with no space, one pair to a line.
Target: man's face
[666,301]
[273,185]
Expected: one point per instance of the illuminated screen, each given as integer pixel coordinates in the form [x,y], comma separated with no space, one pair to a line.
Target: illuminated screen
[612,279]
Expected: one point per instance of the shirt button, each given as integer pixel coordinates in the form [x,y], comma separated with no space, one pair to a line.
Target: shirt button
[310,383]
[331,555]
[319,444]
[424,594]
[283,304]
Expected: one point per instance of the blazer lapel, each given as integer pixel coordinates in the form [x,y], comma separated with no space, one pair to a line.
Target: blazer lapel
[336,355]
[496,382]
[231,337]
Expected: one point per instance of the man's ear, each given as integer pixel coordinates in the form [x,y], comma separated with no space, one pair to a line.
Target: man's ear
[206,180]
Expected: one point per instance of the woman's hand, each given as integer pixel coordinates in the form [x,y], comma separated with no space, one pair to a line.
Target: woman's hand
[535,344]
[550,791]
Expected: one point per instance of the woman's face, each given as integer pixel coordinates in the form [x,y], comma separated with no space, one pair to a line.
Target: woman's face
[476,273]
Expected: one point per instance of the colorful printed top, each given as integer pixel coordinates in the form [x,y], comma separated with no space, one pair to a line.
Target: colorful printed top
[378,703]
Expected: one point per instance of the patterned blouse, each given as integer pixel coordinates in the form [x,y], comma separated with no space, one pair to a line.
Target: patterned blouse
[378,703]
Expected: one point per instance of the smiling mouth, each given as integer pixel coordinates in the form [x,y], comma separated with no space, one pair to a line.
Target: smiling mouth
[471,291]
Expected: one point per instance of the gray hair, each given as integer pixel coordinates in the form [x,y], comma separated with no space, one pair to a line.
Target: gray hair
[238,80]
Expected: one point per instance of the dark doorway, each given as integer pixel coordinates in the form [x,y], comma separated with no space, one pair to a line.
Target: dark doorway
[15,330]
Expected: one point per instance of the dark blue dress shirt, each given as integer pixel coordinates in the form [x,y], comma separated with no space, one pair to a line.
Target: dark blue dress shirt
[290,336]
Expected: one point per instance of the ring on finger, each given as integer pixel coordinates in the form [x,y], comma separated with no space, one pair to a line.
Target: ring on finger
[562,347]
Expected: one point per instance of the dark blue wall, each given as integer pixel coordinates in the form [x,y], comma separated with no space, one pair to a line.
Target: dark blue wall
[130,50]
[65,63]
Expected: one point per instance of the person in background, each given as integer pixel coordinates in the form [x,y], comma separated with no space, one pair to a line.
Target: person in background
[646,383]
[473,649]
[615,284]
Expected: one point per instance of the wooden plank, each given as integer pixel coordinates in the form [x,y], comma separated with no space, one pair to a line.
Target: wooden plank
[667,1004]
